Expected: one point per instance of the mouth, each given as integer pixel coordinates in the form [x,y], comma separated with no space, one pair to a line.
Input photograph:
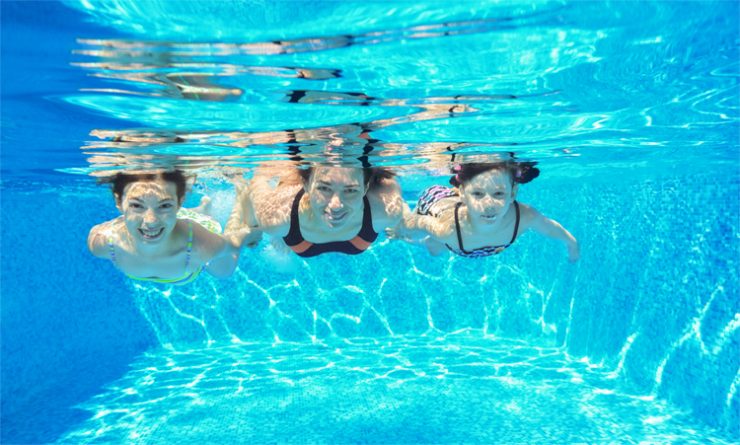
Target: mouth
[151,234]
[489,218]
[337,217]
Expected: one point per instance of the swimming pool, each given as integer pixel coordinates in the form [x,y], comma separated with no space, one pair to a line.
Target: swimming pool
[631,111]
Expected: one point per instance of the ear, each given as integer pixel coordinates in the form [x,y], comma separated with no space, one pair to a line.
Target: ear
[514,191]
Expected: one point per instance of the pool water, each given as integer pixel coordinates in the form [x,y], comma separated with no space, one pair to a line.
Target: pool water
[453,388]
[630,109]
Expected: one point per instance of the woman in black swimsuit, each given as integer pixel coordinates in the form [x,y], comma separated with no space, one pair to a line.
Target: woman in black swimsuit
[323,208]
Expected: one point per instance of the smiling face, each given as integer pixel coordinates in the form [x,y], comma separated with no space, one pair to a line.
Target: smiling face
[150,210]
[335,194]
[488,196]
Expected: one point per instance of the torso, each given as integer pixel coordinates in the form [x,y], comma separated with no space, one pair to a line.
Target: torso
[477,244]
[442,202]
[171,264]
[308,240]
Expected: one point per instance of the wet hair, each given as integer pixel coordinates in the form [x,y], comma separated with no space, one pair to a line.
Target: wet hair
[119,181]
[521,172]
[371,175]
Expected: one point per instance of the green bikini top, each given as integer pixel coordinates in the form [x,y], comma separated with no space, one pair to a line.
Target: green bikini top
[187,278]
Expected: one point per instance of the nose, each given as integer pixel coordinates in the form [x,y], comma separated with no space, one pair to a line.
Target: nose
[488,202]
[150,217]
[335,203]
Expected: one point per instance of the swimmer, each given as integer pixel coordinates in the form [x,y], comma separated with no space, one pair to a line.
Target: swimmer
[479,216]
[156,239]
[324,208]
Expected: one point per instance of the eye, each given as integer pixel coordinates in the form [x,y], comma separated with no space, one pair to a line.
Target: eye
[499,194]
[477,194]
[166,206]
[323,188]
[351,190]
[135,205]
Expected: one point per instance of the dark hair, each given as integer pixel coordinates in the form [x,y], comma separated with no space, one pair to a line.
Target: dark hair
[120,180]
[370,175]
[521,172]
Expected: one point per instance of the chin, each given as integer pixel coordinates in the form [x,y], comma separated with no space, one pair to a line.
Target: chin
[334,224]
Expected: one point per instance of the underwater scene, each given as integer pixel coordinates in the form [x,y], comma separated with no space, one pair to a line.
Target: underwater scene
[370,222]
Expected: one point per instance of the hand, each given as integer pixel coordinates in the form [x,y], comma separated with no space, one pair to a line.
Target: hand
[398,233]
[391,233]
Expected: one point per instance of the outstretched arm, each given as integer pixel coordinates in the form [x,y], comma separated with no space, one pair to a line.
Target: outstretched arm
[414,227]
[271,193]
[241,228]
[552,229]
[225,255]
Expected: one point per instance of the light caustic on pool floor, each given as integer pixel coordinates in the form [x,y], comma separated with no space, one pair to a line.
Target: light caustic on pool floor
[459,388]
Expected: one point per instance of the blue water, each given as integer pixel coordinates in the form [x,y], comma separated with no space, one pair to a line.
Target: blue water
[631,110]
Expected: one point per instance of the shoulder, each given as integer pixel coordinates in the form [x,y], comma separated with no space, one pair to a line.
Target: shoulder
[100,236]
[206,244]
[528,216]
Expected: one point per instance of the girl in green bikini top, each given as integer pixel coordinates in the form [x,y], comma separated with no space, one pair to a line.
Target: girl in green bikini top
[155,239]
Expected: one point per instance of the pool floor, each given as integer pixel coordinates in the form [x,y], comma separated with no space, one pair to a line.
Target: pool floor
[454,389]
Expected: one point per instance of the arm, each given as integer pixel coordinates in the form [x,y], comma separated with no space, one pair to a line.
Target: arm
[387,204]
[414,228]
[271,193]
[96,241]
[242,228]
[552,229]
[217,253]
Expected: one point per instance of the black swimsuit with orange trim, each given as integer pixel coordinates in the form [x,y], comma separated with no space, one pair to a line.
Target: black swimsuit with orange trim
[294,239]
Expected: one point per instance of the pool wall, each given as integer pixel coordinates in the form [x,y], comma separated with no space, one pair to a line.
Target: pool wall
[653,299]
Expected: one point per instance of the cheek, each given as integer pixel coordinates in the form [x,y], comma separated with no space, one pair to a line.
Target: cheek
[472,204]
[318,202]
[130,215]
[354,199]
[169,216]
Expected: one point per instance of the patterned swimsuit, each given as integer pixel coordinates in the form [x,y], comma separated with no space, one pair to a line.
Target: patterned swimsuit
[438,192]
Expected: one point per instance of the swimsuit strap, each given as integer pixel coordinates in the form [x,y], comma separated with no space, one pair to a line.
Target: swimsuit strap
[294,235]
[367,232]
[190,245]
[111,249]
[457,227]
[459,235]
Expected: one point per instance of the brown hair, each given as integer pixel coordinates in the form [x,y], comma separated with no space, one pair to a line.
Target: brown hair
[371,175]
[120,180]
[521,172]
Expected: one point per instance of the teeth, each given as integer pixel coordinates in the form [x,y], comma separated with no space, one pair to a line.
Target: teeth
[151,233]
